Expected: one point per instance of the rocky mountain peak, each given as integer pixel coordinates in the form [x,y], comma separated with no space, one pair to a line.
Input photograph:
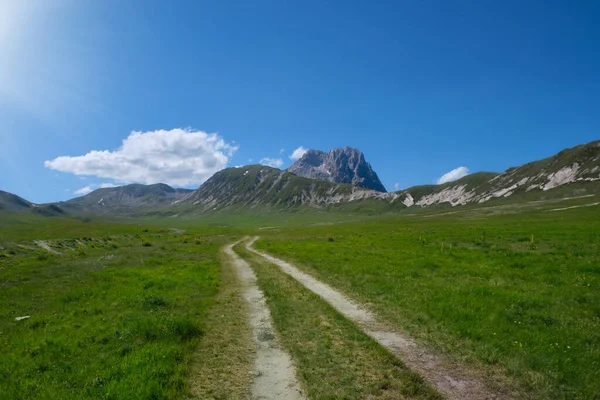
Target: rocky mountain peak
[347,165]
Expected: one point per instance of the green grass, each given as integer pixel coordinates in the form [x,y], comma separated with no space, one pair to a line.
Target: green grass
[334,359]
[24,226]
[226,352]
[117,315]
[479,288]
[129,301]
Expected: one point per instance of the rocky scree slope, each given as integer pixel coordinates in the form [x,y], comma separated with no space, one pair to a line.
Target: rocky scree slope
[345,165]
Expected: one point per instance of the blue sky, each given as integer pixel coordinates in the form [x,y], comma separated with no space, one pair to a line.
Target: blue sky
[101,93]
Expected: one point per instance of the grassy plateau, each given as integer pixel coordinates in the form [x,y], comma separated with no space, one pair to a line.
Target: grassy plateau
[514,293]
[151,309]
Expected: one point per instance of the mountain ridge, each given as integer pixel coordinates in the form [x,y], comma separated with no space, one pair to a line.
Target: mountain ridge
[126,198]
[573,171]
[255,186]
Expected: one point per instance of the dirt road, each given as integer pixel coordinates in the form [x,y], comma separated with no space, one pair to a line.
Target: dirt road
[274,374]
[450,379]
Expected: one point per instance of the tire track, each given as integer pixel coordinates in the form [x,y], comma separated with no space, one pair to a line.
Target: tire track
[450,379]
[274,373]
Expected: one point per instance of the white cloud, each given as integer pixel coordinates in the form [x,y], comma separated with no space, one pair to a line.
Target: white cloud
[453,175]
[87,189]
[281,151]
[83,191]
[396,186]
[178,157]
[272,162]
[298,153]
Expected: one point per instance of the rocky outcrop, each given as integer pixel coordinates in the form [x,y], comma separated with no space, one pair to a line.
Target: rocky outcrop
[345,165]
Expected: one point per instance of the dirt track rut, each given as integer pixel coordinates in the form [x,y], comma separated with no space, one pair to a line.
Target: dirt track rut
[452,380]
[274,374]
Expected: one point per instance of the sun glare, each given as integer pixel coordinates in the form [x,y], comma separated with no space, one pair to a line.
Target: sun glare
[13,29]
[33,70]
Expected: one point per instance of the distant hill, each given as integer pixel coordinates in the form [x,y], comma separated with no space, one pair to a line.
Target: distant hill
[345,165]
[12,202]
[126,199]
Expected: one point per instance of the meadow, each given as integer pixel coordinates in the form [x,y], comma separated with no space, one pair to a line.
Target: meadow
[148,309]
[511,294]
[116,311]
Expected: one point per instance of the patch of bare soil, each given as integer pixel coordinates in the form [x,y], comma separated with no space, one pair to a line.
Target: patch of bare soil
[44,245]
